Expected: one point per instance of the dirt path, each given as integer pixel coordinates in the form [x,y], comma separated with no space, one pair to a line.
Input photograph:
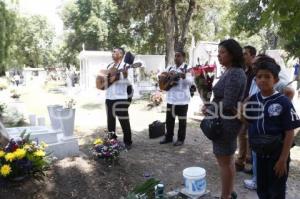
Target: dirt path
[84,178]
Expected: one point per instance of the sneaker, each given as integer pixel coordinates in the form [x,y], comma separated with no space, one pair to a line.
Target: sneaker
[250,184]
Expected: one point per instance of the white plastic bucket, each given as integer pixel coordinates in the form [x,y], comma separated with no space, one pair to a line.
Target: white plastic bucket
[194,180]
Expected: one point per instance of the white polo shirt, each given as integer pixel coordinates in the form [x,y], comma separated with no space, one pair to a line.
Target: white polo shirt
[180,94]
[118,90]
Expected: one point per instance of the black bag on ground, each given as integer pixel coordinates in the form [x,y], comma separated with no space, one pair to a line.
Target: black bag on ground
[211,127]
[156,129]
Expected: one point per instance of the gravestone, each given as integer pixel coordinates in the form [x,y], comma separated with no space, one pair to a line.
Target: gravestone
[4,137]
[58,145]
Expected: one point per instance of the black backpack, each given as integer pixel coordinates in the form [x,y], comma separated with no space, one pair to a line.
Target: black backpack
[156,129]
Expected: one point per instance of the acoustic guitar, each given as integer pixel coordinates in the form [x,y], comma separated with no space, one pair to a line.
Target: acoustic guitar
[107,77]
[166,80]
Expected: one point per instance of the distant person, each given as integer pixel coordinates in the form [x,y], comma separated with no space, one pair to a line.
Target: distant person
[244,153]
[17,79]
[297,75]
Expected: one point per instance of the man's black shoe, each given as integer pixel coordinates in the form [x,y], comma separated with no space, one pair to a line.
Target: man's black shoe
[178,143]
[128,146]
[112,135]
[165,141]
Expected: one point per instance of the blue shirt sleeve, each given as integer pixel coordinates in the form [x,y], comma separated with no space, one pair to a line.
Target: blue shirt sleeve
[290,117]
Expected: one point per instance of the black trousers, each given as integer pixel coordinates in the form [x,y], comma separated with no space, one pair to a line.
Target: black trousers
[119,108]
[270,186]
[172,112]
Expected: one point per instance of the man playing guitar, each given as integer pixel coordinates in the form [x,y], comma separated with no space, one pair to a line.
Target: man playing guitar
[178,98]
[118,98]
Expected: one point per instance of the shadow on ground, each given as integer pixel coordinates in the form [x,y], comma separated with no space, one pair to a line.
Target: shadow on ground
[85,178]
[91,106]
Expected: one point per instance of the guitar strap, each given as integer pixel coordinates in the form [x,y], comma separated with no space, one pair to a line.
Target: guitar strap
[109,65]
[184,68]
[112,64]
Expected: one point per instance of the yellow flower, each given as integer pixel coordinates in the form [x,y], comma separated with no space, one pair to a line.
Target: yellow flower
[44,145]
[2,154]
[39,153]
[5,170]
[9,157]
[98,141]
[26,147]
[20,153]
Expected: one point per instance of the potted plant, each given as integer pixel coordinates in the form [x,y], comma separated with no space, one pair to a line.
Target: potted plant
[23,157]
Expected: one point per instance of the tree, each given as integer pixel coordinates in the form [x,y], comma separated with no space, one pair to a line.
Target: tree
[168,22]
[33,42]
[280,22]
[7,25]
[95,24]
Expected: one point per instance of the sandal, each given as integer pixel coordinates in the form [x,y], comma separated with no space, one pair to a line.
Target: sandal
[233,195]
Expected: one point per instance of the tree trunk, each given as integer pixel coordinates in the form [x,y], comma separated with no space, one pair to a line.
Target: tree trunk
[174,39]
[185,27]
[169,35]
[2,70]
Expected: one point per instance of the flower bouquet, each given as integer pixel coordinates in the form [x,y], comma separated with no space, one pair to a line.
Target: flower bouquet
[23,157]
[156,98]
[204,78]
[70,103]
[107,149]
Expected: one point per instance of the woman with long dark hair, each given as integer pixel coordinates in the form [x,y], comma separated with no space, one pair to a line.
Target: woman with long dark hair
[228,92]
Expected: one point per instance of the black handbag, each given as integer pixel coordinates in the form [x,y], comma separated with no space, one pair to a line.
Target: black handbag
[211,127]
[264,144]
[156,129]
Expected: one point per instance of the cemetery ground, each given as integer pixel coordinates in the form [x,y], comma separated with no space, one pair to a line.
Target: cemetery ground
[84,178]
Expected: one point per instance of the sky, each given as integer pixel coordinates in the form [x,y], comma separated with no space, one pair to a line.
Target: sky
[48,8]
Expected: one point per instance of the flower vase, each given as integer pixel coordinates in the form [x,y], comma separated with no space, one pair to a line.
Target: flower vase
[53,115]
[67,119]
